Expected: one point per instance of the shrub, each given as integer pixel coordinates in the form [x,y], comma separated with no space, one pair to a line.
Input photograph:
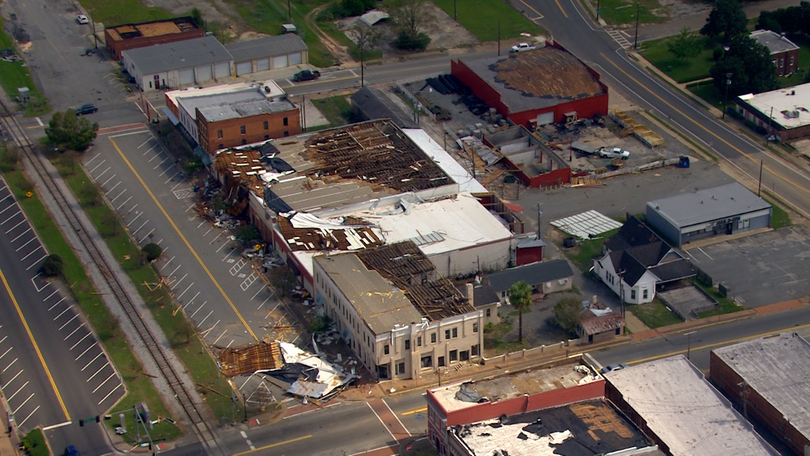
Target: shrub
[718,52]
[247,234]
[52,266]
[152,251]
[320,324]
[409,42]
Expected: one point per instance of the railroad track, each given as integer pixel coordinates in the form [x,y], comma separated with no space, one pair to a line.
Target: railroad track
[204,433]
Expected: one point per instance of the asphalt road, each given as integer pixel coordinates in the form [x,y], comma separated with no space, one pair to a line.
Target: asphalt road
[573,29]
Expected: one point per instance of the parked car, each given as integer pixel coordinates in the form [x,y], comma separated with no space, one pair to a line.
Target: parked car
[616,152]
[523,47]
[613,367]
[72,451]
[86,109]
[306,75]
[82,19]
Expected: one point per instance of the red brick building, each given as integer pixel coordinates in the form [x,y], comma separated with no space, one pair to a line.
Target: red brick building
[538,87]
[235,114]
[784,53]
[132,36]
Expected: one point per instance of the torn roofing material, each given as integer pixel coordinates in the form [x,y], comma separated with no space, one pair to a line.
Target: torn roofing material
[247,359]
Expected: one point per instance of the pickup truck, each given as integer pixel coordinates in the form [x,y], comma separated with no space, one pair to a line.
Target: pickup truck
[616,152]
[306,75]
[523,47]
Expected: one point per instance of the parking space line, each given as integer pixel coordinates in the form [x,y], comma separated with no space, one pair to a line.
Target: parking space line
[257,294]
[146,236]
[167,263]
[80,341]
[29,254]
[74,331]
[192,299]
[57,303]
[35,262]
[96,178]
[15,226]
[9,207]
[177,185]
[20,235]
[198,309]
[119,195]
[184,291]
[12,378]
[166,171]
[11,217]
[230,343]
[9,364]
[173,176]
[220,248]
[156,166]
[108,180]
[140,227]
[174,285]
[175,270]
[3,339]
[99,370]
[703,252]
[110,393]
[33,238]
[62,313]
[218,235]
[201,224]
[149,150]
[206,233]
[122,204]
[85,351]
[190,207]
[132,208]
[93,360]
[105,381]
[220,337]
[136,217]
[206,318]
[22,423]
[75,316]
[51,295]
[192,302]
[144,143]
[94,169]
[91,160]
[8,399]
[113,188]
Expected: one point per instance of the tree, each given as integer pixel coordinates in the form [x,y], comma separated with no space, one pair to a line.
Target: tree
[152,251]
[52,266]
[247,234]
[568,314]
[366,39]
[520,295]
[685,45]
[409,16]
[749,65]
[727,18]
[68,129]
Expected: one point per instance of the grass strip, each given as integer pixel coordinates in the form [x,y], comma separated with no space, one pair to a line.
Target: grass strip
[654,314]
[14,75]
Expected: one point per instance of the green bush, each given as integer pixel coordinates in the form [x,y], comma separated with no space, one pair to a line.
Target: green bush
[717,53]
[320,324]
[152,251]
[247,234]
[34,444]
[52,266]
[410,42]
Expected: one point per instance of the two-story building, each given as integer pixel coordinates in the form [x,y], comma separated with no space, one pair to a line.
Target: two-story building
[784,53]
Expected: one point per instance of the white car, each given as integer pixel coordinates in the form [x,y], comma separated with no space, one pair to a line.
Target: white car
[616,152]
[523,47]
[82,19]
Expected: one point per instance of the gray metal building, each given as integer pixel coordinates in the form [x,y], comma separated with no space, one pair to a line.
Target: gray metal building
[178,64]
[726,209]
[268,53]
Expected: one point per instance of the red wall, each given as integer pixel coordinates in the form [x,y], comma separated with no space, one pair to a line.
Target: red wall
[551,178]
[529,255]
[479,87]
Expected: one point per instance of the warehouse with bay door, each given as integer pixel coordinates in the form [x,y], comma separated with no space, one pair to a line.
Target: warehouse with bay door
[268,53]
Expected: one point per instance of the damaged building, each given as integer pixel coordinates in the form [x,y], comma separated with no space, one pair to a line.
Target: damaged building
[394,310]
[361,186]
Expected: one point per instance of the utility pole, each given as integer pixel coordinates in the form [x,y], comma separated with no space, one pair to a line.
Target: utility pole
[539,214]
[93,27]
[362,68]
[759,186]
[725,102]
[289,11]
[621,291]
[598,2]
[638,12]
[689,342]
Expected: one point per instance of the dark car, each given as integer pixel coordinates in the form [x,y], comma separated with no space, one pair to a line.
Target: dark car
[306,75]
[86,109]
[72,451]
[613,367]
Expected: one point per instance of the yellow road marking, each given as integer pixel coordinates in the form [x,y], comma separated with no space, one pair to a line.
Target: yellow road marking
[273,445]
[707,130]
[717,344]
[561,8]
[534,10]
[411,412]
[185,241]
[36,347]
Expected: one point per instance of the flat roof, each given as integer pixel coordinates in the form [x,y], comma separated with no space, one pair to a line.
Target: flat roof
[532,273]
[380,304]
[684,410]
[154,28]
[773,41]
[268,46]
[178,55]
[787,107]
[448,164]
[533,381]
[536,79]
[268,88]
[234,105]
[777,368]
[582,428]
[707,205]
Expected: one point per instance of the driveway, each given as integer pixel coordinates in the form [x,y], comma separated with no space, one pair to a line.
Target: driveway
[761,269]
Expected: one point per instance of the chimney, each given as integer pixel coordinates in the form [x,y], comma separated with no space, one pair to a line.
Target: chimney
[470,294]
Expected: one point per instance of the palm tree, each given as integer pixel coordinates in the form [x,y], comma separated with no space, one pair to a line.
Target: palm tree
[520,295]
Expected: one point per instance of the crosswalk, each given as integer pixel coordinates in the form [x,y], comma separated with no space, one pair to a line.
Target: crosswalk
[621,37]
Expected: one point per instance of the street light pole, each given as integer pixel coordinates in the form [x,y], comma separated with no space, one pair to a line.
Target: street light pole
[689,343]
[638,11]
[93,27]
[597,10]
[725,102]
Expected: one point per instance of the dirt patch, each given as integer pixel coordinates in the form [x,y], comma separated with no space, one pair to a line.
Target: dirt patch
[215,12]
[675,9]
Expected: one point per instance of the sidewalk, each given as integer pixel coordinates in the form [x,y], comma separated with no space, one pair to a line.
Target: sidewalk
[8,443]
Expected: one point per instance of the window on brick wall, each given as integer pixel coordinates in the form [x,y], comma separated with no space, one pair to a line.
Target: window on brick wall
[266,126]
[219,133]
[242,129]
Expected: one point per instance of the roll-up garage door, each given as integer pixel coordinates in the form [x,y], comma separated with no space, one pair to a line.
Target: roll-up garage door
[280,61]
[204,73]
[186,76]
[545,118]
[244,68]
[295,59]
[223,69]
[262,64]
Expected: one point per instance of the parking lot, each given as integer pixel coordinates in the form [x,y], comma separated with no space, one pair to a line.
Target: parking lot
[64,351]
[761,269]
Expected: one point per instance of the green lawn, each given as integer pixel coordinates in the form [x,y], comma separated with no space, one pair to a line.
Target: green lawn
[481,18]
[34,443]
[337,110]
[585,251]
[709,93]
[14,75]
[657,53]
[654,314]
[780,218]
[618,12]
[727,305]
[117,12]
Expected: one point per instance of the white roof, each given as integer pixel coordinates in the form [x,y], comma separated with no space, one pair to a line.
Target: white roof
[585,224]
[448,164]
[787,107]
[778,369]
[269,89]
[685,411]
